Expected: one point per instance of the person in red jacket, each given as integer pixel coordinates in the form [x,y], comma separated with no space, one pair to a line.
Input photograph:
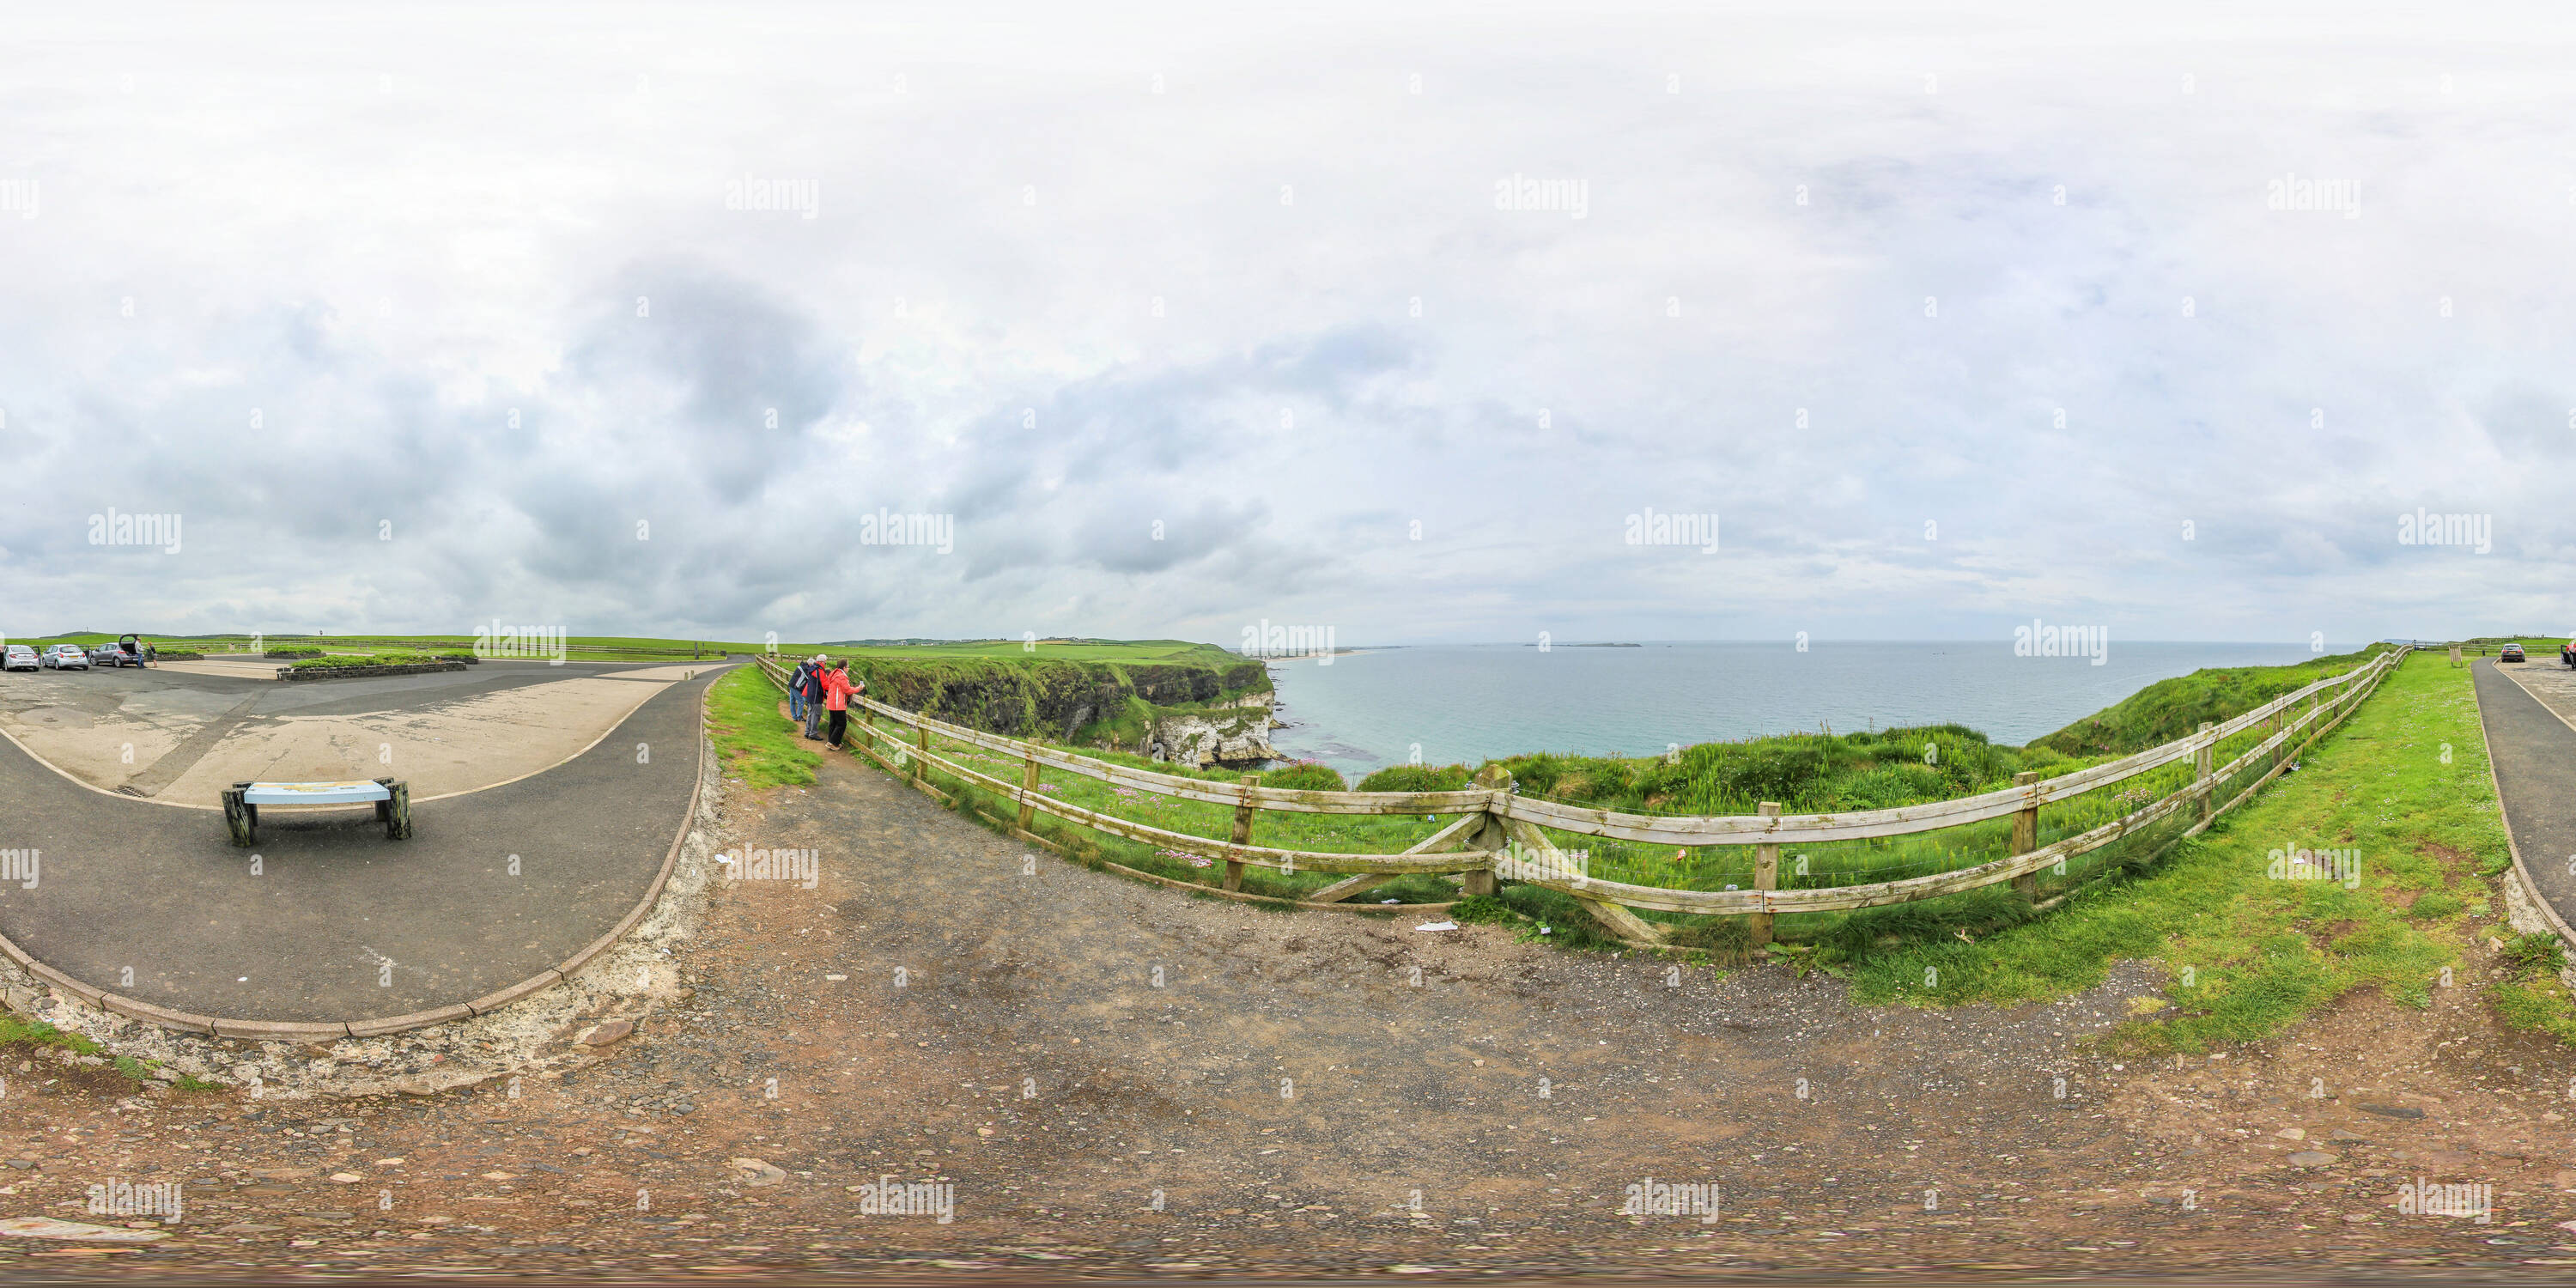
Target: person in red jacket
[837,689]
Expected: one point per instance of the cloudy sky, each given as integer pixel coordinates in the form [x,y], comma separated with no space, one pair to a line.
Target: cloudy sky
[633,320]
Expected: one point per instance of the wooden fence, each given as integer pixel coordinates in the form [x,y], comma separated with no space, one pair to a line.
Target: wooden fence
[1502,835]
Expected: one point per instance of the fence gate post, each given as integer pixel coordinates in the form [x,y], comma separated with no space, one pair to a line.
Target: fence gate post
[2025,836]
[1242,833]
[1766,876]
[1492,837]
[2201,761]
[1028,788]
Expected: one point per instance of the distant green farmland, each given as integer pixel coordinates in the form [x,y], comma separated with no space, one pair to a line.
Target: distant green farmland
[631,647]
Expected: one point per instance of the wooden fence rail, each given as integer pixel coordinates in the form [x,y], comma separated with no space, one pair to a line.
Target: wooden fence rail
[1499,835]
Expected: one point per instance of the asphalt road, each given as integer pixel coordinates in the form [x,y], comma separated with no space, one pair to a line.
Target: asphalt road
[326,920]
[2535,767]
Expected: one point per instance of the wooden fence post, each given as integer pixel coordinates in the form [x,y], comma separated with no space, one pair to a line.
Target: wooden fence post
[1028,788]
[1242,833]
[921,743]
[1492,837]
[2025,837]
[1766,876]
[2200,763]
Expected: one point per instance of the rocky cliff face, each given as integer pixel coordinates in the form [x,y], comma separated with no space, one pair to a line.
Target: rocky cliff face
[1054,700]
[1233,735]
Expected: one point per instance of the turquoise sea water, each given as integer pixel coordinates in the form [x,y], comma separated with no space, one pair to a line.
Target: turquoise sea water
[1466,702]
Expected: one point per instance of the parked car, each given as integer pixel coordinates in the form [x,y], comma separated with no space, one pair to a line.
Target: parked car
[65,657]
[142,653]
[111,657]
[19,657]
[2510,653]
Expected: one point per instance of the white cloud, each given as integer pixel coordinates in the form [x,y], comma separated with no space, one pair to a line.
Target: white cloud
[386,274]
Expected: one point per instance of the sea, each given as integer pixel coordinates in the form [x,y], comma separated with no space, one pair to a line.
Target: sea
[1440,704]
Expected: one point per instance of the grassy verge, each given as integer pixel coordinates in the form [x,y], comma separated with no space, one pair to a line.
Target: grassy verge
[19,1032]
[2531,995]
[1807,773]
[2402,787]
[754,744]
[2169,709]
[389,658]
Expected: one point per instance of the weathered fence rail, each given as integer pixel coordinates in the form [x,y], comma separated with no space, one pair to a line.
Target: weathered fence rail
[1499,834]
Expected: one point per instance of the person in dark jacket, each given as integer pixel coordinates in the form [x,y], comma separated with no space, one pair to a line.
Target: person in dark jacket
[814,699]
[796,690]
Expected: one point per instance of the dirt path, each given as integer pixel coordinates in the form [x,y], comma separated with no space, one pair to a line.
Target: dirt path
[1289,1088]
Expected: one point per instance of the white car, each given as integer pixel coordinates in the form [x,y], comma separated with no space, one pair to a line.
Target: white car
[64,657]
[20,657]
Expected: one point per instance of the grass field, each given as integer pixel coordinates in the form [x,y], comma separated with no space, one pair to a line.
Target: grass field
[2403,785]
[753,744]
[1174,651]
[2170,709]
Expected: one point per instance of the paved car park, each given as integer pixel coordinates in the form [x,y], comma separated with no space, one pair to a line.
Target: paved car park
[327,920]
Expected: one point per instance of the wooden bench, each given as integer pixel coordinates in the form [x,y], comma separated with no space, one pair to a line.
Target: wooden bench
[390,796]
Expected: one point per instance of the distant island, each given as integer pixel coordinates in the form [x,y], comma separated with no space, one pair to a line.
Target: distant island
[1555,645]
